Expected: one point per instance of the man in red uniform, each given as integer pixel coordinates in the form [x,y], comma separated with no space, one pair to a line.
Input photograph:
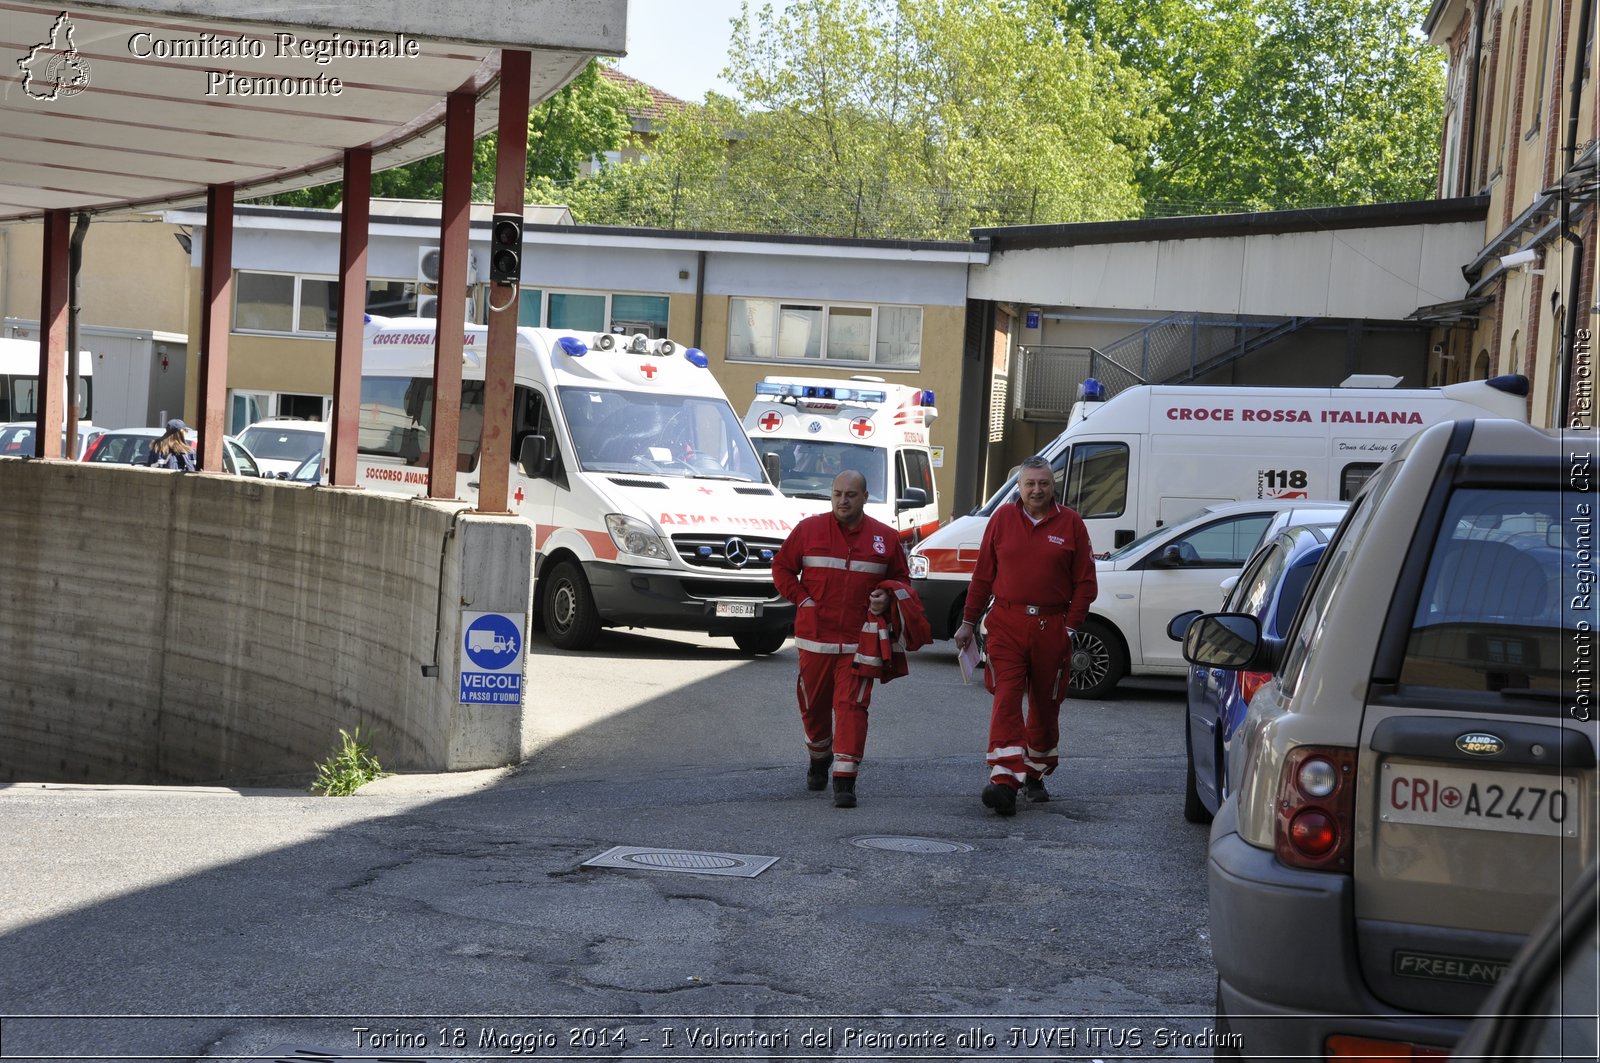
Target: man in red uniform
[1036,560]
[830,567]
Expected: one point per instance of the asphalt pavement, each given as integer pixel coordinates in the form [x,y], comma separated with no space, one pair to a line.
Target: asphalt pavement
[434,917]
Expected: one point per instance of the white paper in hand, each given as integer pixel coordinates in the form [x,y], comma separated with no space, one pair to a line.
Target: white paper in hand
[969,660]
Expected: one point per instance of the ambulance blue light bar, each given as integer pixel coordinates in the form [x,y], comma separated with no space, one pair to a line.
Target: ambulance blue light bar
[697,357]
[817,391]
[573,346]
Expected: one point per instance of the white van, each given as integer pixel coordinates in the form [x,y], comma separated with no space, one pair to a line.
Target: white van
[282,444]
[19,387]
[649,504]
[1157,453]
[808,430]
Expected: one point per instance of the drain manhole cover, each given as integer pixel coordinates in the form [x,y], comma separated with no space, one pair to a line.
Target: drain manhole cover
[912,845]
[649,858]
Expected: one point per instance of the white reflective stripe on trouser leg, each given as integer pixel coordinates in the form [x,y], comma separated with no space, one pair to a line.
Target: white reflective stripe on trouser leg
[1035,760]
[1002,752]
[843,765]
[1000,771]
[821,749]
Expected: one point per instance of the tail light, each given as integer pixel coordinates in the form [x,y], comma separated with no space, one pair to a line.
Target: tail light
[1316,808]
[94,446]
[1371,1050]
[1250,682]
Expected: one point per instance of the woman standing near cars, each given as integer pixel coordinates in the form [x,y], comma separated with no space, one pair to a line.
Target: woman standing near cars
[172,450]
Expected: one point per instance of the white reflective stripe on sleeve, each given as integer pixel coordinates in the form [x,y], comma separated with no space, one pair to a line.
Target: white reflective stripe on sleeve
[877,568]
[822,647]
[818,561]
[862,658]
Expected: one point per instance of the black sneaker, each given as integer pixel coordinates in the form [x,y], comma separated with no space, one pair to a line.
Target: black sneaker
[844,791]
[1035,791]
[1001,798]
[817,774]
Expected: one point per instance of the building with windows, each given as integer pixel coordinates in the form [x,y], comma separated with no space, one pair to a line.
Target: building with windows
[757,305]
[1522,129]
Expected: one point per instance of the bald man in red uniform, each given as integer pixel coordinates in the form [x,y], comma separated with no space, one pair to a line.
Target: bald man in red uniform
[1036,561]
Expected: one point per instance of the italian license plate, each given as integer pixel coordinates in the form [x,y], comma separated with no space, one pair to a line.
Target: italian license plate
[736,608]
[1516,802]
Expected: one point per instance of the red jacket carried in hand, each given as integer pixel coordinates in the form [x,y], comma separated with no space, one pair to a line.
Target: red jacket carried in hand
[830,573]
[886,639]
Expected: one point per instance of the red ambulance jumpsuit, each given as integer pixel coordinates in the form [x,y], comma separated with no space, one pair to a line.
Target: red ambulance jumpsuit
[1042,577]
[829,573]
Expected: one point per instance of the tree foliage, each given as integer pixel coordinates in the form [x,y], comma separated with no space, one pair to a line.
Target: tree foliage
[1272,104]
[872,118]
[586,117]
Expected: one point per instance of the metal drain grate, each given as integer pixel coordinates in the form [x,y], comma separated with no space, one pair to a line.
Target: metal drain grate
[911,845]
[649,858]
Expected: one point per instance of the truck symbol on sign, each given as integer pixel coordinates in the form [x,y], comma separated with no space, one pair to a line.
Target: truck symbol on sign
[484,641]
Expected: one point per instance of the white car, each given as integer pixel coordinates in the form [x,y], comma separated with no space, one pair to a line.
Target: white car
[1171,570]
[281,445]
[131,446]
[16,439]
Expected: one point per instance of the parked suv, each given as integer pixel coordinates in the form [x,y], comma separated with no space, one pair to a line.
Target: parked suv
[1417,782]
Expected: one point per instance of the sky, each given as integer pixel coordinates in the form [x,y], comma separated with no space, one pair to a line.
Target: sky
[681,46]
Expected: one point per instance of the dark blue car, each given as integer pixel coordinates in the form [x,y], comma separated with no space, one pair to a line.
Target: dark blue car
[1269,587]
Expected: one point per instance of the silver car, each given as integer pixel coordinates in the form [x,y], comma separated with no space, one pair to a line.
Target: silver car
[1417,782]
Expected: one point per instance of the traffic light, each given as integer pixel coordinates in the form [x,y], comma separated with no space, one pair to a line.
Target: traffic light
[505,249]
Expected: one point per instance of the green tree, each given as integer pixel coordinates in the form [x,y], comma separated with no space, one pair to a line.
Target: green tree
[917,118]
[1271,104]
[585,118]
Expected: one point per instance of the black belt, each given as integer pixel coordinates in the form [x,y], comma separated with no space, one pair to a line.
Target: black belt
[1032,610]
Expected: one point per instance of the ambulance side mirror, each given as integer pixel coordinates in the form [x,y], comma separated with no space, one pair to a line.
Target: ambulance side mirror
[774,467]
[914,498]
[535,463]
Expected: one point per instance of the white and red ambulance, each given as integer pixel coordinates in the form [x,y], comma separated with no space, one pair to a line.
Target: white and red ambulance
[649,504]
[1155,454]
[808,430]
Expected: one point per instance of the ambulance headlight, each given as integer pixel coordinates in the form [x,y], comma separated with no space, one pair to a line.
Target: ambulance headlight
[635,537]
[919,566]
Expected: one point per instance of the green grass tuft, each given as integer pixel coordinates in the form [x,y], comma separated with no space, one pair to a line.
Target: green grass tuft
[349,769]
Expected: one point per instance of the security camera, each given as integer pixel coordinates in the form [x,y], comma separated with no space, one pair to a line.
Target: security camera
[1518,258]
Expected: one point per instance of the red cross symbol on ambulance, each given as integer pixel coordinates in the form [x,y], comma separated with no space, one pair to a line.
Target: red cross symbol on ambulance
[518,496]
[861,427]
[648,370]
[769,421]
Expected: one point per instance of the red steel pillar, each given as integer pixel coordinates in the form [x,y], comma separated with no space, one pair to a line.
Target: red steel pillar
[500,375]
[54,280]
[350,331]
[455,226]
[216,303]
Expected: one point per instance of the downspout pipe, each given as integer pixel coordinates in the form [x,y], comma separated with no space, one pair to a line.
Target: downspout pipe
[699,296]
[1569,334]
[69,449]
[1477,66]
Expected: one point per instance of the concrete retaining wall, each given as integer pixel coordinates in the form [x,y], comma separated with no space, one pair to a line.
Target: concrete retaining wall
[157,627]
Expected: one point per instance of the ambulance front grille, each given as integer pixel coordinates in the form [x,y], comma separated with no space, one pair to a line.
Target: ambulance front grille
[711,551]
[712,589]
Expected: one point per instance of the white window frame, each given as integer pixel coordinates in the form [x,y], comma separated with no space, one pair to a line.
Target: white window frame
[294,307]
[827,307]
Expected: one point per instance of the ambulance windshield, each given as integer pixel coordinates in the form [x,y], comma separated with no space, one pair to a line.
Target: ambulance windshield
[659,435]
[806,467]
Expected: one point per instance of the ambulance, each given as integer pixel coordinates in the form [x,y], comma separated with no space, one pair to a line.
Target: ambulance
[1155,454]
[649,504]
[808,430]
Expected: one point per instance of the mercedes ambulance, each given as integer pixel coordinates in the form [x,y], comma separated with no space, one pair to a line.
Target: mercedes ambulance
[1154,454]
[649,504]
[808,430]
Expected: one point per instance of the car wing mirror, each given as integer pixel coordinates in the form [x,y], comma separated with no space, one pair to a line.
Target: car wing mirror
[1223,640]
[533,458]
[914,498]
[1179,624]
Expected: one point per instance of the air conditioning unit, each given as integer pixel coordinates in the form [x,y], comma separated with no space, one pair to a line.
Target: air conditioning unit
[429,261]
[428,306]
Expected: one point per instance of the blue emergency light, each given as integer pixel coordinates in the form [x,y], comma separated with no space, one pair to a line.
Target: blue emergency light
[819,392]
[697,357]
[573,346]
[1091,390]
